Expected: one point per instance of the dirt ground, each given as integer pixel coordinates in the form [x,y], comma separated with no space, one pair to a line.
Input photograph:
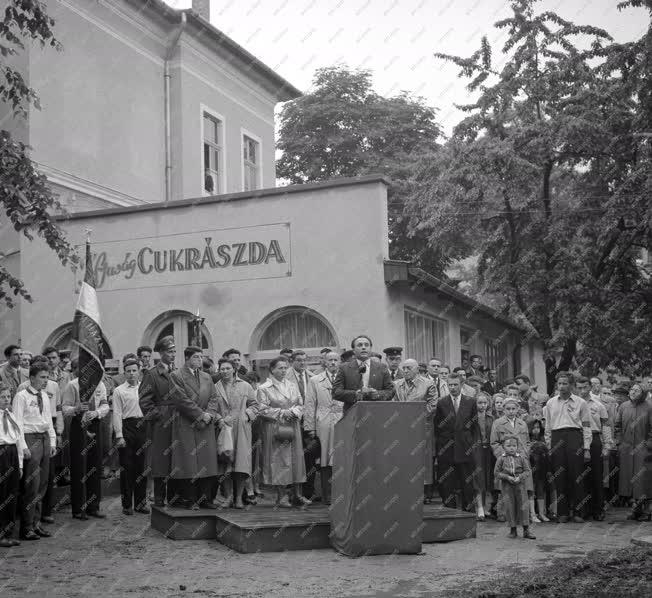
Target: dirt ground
[123,556]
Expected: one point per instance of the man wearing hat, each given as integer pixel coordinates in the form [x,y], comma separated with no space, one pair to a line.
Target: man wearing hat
[393,357]
[159,398]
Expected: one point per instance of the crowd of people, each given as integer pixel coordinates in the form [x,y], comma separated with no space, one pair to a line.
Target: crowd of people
[213,435]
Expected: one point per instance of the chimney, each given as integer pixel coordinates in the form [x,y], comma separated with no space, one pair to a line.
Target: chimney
[203,9]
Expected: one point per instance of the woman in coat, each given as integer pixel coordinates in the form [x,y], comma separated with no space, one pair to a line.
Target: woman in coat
[634,439]
[239,408]
[320,414]
[281,410]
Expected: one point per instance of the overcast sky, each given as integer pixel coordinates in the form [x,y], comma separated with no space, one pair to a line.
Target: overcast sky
[394,38]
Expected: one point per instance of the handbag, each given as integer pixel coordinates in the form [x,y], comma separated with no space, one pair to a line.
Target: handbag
[225,445]
[284,432]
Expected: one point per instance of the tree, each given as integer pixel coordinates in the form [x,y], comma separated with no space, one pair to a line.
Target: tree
[342,128]
[547,181]
[26,198]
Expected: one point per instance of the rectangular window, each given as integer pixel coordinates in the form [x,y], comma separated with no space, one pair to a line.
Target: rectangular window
[250,163]
[496,357]
[212,154]
[425,337]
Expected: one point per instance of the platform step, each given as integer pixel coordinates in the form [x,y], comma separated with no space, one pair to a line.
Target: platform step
[183,524]
[270,529]
[441,524]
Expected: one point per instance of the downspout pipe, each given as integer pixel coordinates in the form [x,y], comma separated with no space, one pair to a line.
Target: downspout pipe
[166,77]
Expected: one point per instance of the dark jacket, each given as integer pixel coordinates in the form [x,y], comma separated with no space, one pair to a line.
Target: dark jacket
[349,380]
[456,434]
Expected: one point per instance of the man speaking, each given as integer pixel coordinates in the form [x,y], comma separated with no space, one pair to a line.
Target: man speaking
[362,379]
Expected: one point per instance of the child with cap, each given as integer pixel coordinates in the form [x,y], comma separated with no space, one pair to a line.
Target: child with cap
[512,471]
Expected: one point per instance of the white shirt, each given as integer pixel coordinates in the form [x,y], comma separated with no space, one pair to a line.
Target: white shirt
[28,416]
[365,375]
[125,405]
[53,391]
[12,435]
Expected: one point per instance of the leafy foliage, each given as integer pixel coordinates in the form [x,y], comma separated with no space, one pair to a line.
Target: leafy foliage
[26,199]
[547,181]
[342,128]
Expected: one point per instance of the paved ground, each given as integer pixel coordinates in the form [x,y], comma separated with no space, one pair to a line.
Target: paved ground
[122,556]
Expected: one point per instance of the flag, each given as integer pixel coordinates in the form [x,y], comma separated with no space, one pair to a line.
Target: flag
[88,336]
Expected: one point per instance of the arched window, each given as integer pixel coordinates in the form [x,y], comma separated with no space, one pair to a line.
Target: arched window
[179,324]
[61,338]
[297,328]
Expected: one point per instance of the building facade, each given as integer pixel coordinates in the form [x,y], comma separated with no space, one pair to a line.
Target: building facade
[304,267]
[157,133]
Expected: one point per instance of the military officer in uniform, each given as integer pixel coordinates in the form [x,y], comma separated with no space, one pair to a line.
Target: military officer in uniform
[393,357]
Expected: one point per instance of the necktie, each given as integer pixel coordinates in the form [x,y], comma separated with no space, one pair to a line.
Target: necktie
[39,397]
[393,374]
[456,404]
[5,421]
[302,386]
[197,377]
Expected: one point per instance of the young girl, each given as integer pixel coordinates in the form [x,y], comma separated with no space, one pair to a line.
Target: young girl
[540,463]
[484,459]
[499,399]
[512,469]
[11,465]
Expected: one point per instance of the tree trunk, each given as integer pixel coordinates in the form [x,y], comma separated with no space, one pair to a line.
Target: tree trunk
[567,355]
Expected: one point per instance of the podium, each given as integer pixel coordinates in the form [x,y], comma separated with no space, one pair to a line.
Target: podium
[378,474]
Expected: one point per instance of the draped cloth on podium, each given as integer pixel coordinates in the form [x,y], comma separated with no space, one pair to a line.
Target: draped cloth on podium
[378,473]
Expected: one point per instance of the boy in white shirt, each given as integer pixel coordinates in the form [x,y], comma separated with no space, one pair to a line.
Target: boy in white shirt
[31,409]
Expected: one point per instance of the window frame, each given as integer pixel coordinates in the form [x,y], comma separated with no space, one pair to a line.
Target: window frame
[203,112]
[259,182]
[442,354]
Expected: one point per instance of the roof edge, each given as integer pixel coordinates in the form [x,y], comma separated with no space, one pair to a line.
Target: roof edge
[284,89]
[227,197]
[417,274]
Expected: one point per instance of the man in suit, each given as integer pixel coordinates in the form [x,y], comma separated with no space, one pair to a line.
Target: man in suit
[361,379]
[393,358]
[475,366]
[299,375]
[11,373]
[433,374]
[491,385]
[456,431]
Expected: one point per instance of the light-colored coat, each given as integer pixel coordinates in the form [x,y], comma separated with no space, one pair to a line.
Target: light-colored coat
[240,404]
[634,439]
[194,447]
[422,390]
[282,461]
[320,414]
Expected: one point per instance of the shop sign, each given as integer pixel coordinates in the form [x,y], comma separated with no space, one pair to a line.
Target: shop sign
[210,256]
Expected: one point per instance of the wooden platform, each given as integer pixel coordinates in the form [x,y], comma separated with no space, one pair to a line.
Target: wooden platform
[266,528]
[182,524]
[441,524]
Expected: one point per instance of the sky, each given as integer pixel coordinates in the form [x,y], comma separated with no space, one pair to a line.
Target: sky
[395,39]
